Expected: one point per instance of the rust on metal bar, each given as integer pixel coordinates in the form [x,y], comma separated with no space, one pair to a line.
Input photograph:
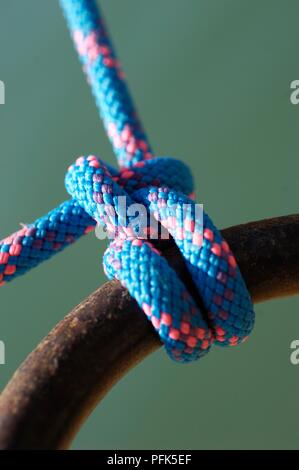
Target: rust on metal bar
[66,376]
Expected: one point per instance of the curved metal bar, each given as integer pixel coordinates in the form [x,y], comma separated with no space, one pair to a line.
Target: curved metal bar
[71,370]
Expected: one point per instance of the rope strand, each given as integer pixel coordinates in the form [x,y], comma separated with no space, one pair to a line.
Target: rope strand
[106,79]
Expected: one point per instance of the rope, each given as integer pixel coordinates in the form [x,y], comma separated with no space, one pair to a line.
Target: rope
[164,186]
[107,82]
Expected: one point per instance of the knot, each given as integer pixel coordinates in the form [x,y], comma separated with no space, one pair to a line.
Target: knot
[161,185]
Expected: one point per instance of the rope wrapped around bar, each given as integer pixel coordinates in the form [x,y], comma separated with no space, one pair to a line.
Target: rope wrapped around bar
[186,331]
[165,187]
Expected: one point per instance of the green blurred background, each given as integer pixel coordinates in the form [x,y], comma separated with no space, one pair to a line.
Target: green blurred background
[211,79]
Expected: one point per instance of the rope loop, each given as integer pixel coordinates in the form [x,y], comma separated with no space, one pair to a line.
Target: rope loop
[132,258]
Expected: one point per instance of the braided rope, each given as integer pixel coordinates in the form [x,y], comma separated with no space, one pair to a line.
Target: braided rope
[107,81]
[162,185]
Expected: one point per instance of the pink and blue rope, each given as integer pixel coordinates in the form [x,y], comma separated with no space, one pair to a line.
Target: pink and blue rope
[107,82]
[164,186]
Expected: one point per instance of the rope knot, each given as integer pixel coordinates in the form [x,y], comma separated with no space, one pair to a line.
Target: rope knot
[159,186]
[161,189]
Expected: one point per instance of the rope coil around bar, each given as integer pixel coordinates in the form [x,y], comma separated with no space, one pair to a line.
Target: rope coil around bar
[162,186]
[186,331]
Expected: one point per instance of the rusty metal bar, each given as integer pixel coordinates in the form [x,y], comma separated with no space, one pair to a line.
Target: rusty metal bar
[71,370]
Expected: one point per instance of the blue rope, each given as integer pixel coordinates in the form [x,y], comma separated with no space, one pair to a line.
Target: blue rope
[163,186]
